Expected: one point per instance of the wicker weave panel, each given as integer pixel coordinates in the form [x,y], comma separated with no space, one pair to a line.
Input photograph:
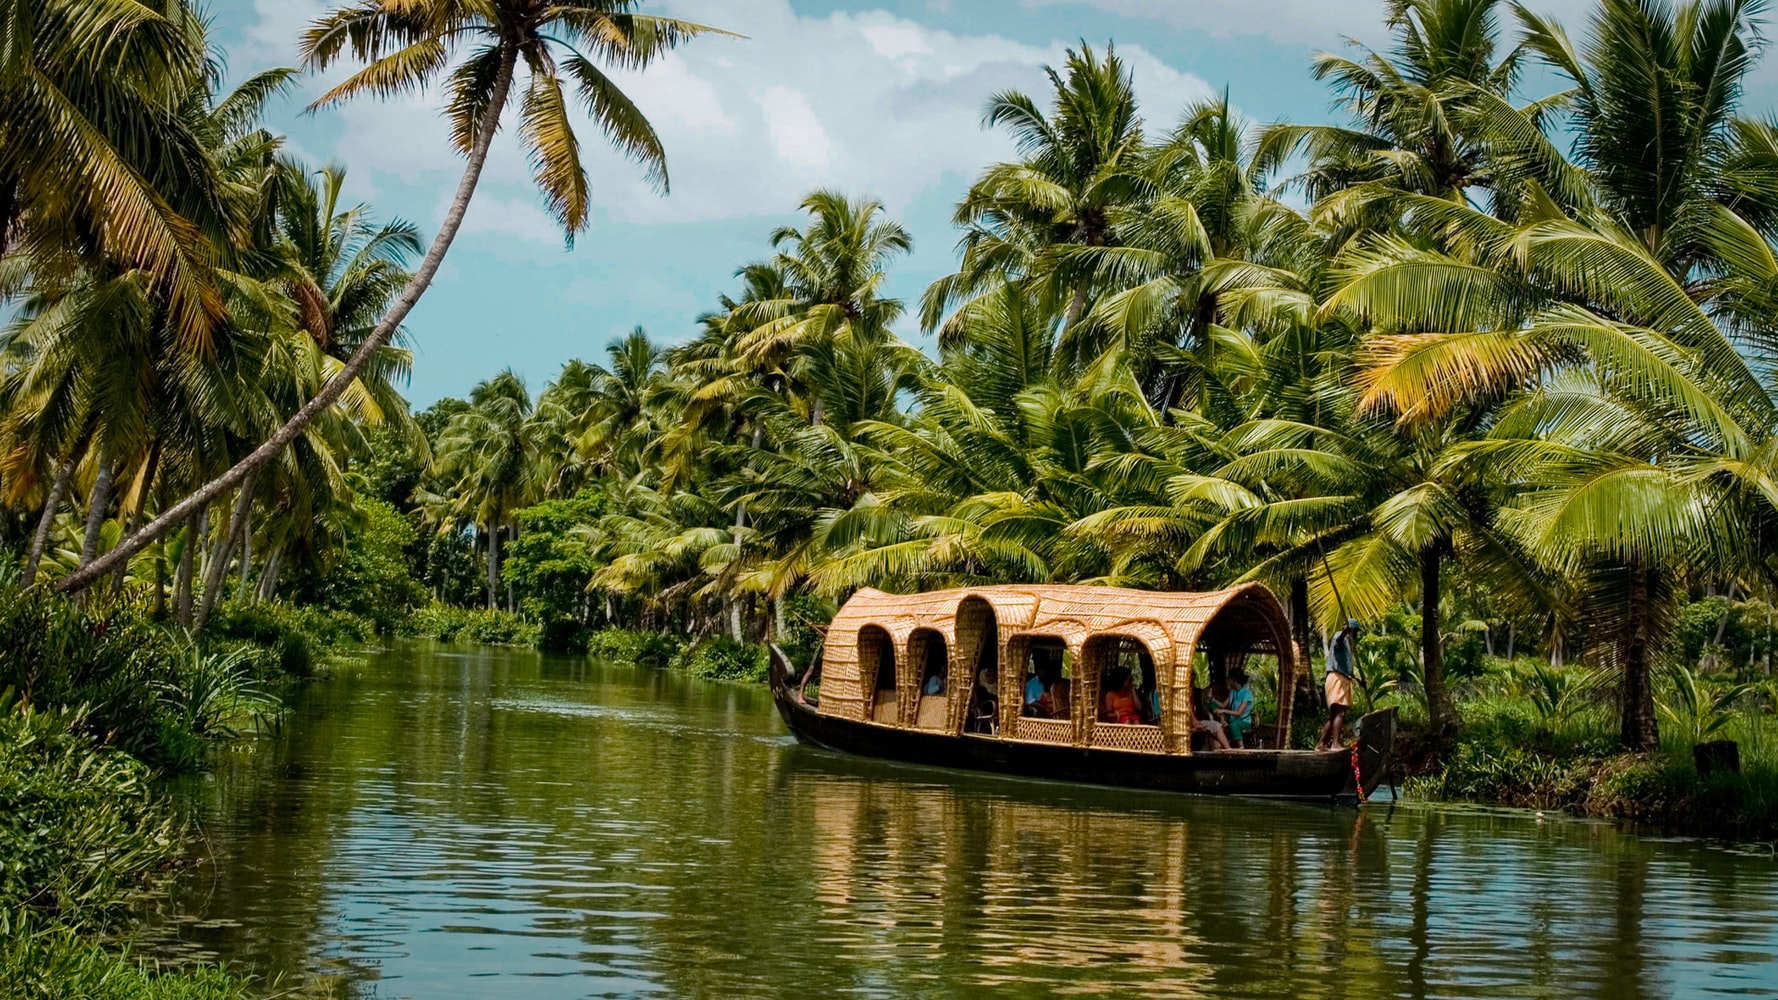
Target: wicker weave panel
[1117,736]
[1043,730]
[934,713]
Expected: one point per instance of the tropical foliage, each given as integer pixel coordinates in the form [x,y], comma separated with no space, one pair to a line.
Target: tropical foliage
[1478,364]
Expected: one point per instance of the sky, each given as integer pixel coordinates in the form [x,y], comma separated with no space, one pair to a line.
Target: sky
[877,98]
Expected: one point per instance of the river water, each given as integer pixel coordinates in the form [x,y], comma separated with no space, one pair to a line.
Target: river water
[447,822]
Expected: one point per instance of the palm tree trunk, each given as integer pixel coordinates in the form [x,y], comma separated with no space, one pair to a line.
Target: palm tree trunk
[160,581]
[734,603]
[1077,305]
[95,511]
[1636,705]
[1432,653]
[246,562]
[493,567]
[335,386]
[195,526]
[268,576]
[734,600]
[46,523]
[1299,613]
[118,575]
[217,571]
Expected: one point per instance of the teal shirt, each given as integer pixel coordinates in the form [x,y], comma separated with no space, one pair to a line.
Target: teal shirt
[1241,703]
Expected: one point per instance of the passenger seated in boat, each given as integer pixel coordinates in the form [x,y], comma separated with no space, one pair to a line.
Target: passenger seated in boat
[984,703]
[1119,703]
[1148,692]
[1046,690]
[1204,722]
[1238,713]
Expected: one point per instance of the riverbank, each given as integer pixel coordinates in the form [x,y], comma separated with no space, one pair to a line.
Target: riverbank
[98,702]
[1506,760]
[710,658]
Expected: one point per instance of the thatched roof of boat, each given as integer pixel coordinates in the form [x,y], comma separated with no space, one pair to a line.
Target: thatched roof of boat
[1170,625]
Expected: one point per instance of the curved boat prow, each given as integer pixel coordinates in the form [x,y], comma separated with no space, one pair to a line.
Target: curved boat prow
[780,672]
[1376,744]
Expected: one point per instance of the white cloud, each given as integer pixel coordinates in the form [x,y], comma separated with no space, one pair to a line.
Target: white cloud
[520,217]
[797,136]
[869,103]
[272,38]
[894,41]
[1317,24]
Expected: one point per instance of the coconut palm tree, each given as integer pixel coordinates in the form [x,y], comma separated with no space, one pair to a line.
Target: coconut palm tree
[1078,164]
[1624,288]
[1411,113]
[92,167]
[486,460]
[477,49]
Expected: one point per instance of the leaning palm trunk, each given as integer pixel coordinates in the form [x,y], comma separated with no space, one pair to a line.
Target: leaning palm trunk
[46,523]
[95,511]
[335,386]
[120,576]
[216,573]
[246,566]
[268,576]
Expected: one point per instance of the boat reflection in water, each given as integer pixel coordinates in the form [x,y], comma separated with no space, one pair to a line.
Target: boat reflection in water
[951,882]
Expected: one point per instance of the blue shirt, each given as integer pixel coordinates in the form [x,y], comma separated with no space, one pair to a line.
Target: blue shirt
[1241,703]
[1033,689]
[1342,655]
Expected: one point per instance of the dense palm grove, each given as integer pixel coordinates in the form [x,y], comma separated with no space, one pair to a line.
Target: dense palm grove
[1503,359]
[1482,365]
[1487,363]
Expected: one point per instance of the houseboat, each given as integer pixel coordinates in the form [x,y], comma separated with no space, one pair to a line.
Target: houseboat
[1009,679]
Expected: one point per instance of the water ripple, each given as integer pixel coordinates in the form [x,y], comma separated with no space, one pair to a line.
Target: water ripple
[474,824]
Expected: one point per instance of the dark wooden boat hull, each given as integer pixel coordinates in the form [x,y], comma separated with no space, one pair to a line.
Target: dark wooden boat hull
[1297,774]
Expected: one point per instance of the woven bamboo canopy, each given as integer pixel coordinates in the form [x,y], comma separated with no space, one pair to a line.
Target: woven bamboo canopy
[877,637]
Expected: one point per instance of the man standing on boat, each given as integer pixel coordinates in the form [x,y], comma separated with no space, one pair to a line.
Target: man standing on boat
[1340,682]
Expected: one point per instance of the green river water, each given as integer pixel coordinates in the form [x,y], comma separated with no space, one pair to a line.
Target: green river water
[447,822]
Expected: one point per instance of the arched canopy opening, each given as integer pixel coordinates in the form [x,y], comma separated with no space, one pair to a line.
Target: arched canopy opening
[1128,691]
[931,664]
[876,661]
[978,652]
[1045,676]
[1249,637]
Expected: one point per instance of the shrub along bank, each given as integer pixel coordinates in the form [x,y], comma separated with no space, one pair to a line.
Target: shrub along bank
[81,829]
[96,701]
[1542,737]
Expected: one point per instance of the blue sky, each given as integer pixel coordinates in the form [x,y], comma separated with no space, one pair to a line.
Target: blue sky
[878,97]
